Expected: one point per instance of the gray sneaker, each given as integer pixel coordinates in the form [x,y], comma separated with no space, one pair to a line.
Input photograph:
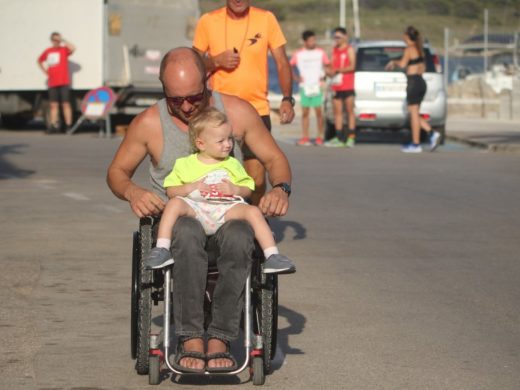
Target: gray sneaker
[278,264]
[159,258]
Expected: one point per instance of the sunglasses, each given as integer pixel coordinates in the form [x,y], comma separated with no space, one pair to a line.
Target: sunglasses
[338,37]
[177,101]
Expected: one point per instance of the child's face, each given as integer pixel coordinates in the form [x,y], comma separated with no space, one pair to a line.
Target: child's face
[216,142]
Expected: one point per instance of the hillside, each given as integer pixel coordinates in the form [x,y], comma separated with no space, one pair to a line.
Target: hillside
[386,19]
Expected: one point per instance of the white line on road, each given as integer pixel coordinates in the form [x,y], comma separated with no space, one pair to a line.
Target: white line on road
[75,196]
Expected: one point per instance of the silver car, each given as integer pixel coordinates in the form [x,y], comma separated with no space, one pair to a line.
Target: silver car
[380,101]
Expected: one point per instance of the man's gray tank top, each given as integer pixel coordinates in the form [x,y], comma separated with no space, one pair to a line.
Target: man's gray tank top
[176,144]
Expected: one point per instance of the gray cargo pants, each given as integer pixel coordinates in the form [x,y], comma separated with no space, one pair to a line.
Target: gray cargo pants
[231,247]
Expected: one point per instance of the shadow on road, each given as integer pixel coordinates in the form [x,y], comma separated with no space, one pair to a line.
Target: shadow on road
[279,227]
[7,169]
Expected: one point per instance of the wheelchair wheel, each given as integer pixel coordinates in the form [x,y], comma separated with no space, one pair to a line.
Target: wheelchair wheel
[136,251]
[144,300]
[269,317]
[258,371]
[154,372]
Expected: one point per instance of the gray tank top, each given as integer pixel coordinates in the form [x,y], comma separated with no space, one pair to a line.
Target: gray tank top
[176,144]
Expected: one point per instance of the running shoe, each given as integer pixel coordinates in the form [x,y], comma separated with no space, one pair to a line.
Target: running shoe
[158,258]
[334,143]
[304,141]
[435,140]
[318,141]
[278,264]
[411,148]
[351,141]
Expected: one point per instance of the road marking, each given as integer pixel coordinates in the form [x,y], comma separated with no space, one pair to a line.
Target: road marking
[75,196]
[109,208]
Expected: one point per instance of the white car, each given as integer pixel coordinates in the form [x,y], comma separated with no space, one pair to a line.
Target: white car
[380,101]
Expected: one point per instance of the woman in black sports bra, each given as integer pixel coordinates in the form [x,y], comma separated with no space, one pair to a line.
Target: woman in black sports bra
[414,65]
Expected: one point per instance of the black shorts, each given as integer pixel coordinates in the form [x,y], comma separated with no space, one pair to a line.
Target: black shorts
[59,93]
[415,89]
[247,154]
[344,94]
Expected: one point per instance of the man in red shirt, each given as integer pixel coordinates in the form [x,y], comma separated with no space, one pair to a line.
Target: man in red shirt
[342,71]
[56,60]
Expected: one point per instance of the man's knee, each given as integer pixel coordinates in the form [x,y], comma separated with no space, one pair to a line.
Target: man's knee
[188,230]
[237,235]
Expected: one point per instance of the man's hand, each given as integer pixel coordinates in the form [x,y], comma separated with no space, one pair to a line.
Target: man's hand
[145,203]
[228,60]
[286,112]
[275,203]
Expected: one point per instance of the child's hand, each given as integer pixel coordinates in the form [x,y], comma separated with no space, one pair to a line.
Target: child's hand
[200,185]
[225,187]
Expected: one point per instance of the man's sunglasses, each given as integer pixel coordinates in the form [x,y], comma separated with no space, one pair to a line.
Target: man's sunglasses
[177,101]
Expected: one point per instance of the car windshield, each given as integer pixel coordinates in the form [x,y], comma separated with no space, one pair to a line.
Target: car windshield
[374,59]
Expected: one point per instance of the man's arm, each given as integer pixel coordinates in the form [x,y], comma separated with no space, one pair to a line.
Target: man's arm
[130,154]
[285,80]
[228,60]
[69,46]
[246,122]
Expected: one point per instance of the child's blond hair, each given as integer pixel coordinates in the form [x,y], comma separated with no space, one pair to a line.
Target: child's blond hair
[208,117]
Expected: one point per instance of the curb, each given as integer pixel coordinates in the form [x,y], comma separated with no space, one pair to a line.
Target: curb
[484,145]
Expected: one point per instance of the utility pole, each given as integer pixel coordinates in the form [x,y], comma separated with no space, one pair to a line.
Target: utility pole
[342,9]
[357,27]
[446,55]
[486,15]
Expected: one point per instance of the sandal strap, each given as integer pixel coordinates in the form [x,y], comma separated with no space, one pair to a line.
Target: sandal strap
[219,355]
[189,354]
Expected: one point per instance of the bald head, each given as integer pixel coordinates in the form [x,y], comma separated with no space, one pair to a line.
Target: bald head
[183,62]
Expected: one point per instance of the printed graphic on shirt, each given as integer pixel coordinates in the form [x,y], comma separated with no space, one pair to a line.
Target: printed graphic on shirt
[53,59]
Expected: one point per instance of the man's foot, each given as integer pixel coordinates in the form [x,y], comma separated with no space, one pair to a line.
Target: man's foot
[335,143]
[278,264]
[351,141]
[318,141]
[190,355]
[411,148]
[435,140]
[219,358]
[159,258]
[304,141]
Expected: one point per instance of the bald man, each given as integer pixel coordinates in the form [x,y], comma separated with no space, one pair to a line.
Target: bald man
[161,132]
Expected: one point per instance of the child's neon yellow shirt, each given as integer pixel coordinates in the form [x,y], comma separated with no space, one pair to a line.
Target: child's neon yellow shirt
[190,169]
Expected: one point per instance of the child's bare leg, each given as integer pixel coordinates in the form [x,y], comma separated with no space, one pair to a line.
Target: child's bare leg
[174,209]
[160,256]
[254,216]
[275,262]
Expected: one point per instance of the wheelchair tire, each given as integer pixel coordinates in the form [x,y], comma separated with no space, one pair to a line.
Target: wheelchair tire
[258,371]
[269,318]
[154,372]
[136,251]
[144,301]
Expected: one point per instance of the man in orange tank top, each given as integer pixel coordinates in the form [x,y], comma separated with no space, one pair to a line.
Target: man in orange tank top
[235,41]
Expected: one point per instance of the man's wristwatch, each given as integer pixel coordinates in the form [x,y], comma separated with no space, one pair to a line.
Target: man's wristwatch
[286,187]
[290,99]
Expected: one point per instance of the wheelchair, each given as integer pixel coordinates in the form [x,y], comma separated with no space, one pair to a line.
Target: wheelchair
[151,351]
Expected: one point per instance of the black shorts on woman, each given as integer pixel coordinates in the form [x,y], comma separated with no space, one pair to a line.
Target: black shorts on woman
[415,89]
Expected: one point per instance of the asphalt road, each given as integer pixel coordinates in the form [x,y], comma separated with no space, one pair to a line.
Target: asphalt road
[408,269]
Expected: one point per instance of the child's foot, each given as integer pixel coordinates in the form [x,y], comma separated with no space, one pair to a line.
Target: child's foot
[278,264]
[159,258]
[435,140]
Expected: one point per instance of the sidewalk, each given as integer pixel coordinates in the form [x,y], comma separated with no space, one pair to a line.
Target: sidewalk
[492,135]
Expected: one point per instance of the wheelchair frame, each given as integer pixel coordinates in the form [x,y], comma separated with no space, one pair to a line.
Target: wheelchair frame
[151,351]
